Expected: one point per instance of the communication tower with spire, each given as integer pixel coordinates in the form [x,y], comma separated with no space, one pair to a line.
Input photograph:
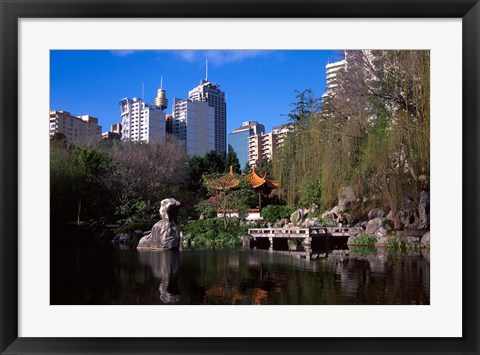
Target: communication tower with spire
[161,99]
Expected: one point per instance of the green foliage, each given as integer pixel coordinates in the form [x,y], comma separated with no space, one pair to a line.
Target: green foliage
[372,135]
[304,107]
[398,242]
[66,178]
[211,231]
[327,223]
[387,224]
[206,209]
[214,163]
[364,239]
[119,180]
[246,169]
[143,225]
[232,160]
[310,191]
[227,197]
[272,213]
[401,243]
[264,166]
[133,210]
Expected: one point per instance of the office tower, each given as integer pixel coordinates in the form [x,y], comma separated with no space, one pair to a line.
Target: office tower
[238,139]
[77,129]
[194,123]
[210,92]
[142,122]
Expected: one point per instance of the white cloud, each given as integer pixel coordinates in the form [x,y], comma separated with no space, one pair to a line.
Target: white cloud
[123,53]
[219,57]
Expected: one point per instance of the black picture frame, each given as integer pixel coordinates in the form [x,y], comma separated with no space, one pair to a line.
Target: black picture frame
[11,11]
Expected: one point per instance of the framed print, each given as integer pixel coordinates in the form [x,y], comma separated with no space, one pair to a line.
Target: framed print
[288,228]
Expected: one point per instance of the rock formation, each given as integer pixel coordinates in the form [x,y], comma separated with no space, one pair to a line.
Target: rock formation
[165,233]
[424,210]
[375,213]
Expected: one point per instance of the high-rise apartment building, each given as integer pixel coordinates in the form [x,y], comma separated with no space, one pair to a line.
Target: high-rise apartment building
[142,122]
[265,145]
[332,70]
[210,92]
[238,139]
[77,129]
[194,123]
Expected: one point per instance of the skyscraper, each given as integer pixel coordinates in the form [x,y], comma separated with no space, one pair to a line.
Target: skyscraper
[209,92]
[238,139]
[194,123]
[141,122]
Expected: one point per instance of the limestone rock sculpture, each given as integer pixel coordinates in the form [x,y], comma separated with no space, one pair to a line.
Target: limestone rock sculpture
[165,233]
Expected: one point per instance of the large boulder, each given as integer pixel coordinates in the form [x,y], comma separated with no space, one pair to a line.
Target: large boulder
[311,222]
[424,210]
[375,213]
[425,241]
[373,226]
[331,216]
[165,233]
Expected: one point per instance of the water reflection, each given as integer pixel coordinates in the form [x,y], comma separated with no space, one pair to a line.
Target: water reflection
[284,275]
[164,265]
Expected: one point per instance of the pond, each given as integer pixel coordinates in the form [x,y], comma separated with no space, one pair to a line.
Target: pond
[326,275]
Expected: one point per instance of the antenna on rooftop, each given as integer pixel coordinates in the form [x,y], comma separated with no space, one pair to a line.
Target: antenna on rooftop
[161,82]
[143,91]
[206,69]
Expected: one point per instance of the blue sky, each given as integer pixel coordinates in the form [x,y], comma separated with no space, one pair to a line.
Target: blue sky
[259,85]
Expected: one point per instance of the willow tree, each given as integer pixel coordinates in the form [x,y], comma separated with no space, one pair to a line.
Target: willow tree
[394,87]
[373,134]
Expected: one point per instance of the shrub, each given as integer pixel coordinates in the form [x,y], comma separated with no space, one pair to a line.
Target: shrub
[272,213]
[326,222]
[143,225]
[364,239]
[206,209]
[211,231]
[399,242]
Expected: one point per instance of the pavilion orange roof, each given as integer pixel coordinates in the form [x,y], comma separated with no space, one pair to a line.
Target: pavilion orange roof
[257,181]
[225,182]
[230,180]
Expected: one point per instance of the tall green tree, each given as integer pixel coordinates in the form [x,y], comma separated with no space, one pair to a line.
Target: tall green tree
[232,161]
[213,162]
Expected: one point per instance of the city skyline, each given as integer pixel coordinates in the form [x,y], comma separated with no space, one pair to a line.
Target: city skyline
[259,85]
